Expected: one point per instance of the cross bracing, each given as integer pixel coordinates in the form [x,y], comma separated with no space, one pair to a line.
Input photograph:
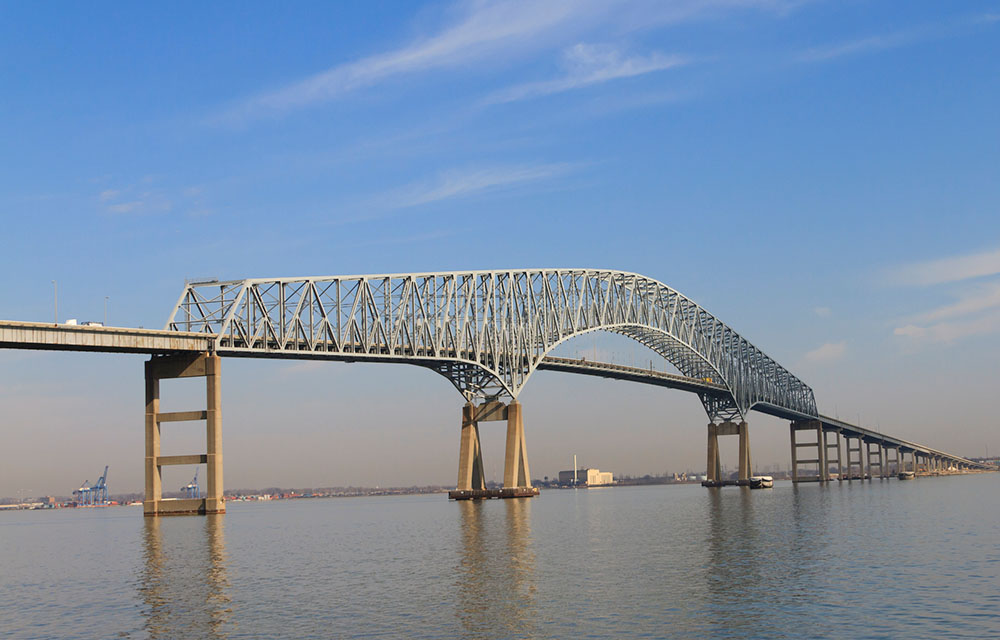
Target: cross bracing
[486,331]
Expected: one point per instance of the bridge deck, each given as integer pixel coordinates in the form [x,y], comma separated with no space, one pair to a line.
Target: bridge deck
[69,337]
[64,337]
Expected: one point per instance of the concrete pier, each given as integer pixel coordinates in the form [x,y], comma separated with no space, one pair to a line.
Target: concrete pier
[470,455]
[516,474]
[835,446]
[822,471]
[714,462]
[184,366]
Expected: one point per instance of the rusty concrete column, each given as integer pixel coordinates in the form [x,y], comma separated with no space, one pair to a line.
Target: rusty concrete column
[515,469]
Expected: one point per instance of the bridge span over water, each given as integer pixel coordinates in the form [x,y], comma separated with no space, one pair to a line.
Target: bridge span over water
[487,332]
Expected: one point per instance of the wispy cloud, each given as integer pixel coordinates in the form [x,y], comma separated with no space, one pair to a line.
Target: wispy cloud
[822,312]
[127,207]
[147,197]
[975,291]
[863,45]
[588,65]
[470,182]
[974,301]
[895,39]
[976,312]
[484,28]
[955,269]
[493,34]
[948,332]
[829,352]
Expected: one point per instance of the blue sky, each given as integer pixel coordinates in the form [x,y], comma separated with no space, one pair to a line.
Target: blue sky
[820,175]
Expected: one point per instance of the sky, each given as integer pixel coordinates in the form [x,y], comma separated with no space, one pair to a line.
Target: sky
[820,175]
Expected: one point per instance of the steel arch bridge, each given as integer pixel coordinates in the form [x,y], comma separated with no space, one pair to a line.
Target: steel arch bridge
[486,331]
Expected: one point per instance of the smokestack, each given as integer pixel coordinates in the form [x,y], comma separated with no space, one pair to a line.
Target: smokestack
[574,469]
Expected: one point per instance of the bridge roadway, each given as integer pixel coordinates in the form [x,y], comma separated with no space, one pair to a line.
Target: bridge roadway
[868,458]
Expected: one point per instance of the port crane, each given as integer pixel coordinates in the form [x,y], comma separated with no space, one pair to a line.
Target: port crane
[96,495]
[99,492]
[82,495]
[191,489]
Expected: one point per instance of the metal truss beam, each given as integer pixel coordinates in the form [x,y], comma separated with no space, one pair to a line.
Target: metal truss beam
[486,331]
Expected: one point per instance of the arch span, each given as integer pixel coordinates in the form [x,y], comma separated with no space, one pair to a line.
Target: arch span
[487,331]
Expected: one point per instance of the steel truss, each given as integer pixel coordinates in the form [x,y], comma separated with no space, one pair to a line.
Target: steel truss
[486,331]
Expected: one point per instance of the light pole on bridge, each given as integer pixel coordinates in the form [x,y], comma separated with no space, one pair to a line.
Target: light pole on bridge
[55,289]
[106,310]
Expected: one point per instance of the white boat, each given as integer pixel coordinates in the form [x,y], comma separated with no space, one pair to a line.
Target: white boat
[761,482]
[906,475]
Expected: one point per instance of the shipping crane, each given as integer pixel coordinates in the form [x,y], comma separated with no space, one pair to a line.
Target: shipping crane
[99,492]
[191,489]
[82,495]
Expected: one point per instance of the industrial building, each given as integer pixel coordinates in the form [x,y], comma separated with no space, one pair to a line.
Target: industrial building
[588,477]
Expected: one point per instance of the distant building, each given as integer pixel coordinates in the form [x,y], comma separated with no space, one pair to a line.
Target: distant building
[589,477]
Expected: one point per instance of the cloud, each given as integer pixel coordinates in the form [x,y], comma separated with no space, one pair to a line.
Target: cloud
[484,29]
[828,352]
[946,270]
[951,322]
[948,332]
[127,207]
[894,40]
[488,34]
[855,47]
[822,312]
[465,183]
[109,194]
[589,65]
[976,300]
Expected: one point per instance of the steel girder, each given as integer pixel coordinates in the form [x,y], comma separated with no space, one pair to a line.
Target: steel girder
[486,331]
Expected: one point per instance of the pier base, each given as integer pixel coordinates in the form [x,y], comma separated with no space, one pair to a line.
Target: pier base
[485,494]
[184,366]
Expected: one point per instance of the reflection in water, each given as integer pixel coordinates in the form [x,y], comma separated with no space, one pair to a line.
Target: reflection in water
[496,575]
[737,548]
[183,580]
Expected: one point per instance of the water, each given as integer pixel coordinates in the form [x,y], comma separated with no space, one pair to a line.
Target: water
[866,560]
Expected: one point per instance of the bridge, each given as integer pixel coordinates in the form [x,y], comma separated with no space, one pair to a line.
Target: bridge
[486,332]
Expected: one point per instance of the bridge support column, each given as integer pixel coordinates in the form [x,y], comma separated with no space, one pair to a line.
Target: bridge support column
[516,474]
[897,460]
[471,476]
[836,447]
[852,462]
[819,444]
[744,467]
[714,462]
[470,454]
[713,468]
[159,368]
[874,456]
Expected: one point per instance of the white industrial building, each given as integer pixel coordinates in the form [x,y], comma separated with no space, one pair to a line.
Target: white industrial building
[589,477]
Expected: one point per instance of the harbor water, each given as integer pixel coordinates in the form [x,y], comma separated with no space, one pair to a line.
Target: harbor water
[882,559]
